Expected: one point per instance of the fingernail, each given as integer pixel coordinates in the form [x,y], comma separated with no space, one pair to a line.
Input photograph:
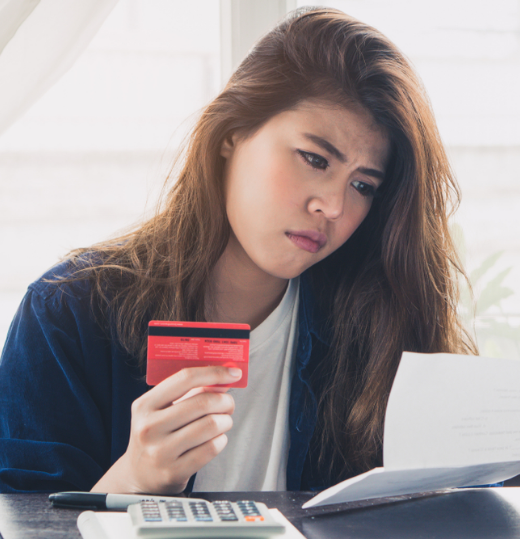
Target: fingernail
[235,373]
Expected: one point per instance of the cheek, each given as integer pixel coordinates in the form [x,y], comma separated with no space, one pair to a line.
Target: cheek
[264,190]
[242,190]
[283,188]
[249,200]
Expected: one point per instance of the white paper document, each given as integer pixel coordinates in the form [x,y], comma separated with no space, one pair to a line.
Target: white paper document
[451,421]
[112,525]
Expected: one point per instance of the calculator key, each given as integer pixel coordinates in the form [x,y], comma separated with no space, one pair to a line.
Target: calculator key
[176,514]
[248,509]
[225,512]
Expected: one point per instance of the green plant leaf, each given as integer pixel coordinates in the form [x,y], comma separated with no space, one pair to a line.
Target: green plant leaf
[491,348]
[488,263]
[493,293]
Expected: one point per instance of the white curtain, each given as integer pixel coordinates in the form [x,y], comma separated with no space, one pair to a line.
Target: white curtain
[39,42]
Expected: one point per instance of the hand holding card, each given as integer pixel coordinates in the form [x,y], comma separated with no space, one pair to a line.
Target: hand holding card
[173,346]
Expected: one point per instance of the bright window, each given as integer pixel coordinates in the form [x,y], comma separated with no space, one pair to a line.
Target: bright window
[87,157]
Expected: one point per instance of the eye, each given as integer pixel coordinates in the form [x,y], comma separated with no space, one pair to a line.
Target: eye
[365,189]
[314,160]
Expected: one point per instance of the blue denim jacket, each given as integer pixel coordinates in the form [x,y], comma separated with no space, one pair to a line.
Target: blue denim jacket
[66,391]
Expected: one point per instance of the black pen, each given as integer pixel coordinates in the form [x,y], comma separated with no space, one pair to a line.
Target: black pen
[97,500]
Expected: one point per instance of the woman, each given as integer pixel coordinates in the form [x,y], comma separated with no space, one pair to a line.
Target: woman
[312,204]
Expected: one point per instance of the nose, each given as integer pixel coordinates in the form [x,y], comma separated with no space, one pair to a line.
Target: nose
[331,205]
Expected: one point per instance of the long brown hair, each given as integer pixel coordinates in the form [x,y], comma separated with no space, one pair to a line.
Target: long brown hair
[391,287]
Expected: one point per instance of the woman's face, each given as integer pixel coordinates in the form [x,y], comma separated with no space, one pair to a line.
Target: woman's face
[298,188]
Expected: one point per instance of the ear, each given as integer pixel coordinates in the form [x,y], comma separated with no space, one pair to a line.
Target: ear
[228,145]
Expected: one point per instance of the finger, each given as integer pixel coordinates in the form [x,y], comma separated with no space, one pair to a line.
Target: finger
[195,459]
[215,389]
[187,411]
[197,390]
[199,432]
[180,383]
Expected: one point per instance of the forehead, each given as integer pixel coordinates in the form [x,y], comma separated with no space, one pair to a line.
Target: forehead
[350,129]
[333,111]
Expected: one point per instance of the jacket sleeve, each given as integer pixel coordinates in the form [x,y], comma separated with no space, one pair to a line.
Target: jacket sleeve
[53,433]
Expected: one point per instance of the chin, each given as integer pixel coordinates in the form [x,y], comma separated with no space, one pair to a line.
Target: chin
[288,276]
[287,272]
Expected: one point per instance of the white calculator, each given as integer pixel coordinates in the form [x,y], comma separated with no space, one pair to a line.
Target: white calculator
[198,518]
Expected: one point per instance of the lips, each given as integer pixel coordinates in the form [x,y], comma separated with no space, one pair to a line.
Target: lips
[308,240]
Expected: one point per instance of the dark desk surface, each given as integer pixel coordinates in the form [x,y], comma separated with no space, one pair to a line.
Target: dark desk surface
[492,513]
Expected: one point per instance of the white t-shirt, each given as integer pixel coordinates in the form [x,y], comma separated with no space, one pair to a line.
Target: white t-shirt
[255,457]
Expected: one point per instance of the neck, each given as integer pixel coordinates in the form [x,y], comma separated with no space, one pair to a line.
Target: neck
[240,291]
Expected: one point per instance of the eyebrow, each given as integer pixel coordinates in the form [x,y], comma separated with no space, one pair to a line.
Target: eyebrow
[327,146]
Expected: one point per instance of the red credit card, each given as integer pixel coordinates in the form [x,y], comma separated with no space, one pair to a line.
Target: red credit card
[173,346]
